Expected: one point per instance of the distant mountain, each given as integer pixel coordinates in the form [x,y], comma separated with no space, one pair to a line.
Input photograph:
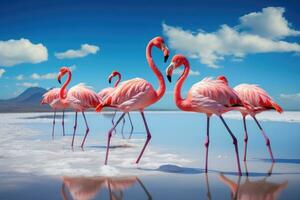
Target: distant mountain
[28,101]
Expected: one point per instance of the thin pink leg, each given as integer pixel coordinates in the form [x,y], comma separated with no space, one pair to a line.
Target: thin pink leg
[53,124]
[63,122]
[87,130]
[122,130]
[235,145]
[245,138]
[131,131]
[75,126]
[266,139]
[109,137]
[148,137]
[112,121]
[206,144]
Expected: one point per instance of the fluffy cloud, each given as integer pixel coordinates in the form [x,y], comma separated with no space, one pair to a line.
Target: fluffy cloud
[13,52]
[28,84]
[269,23]
[295,97]
[43,76]
[2,71]
[85,50]
[235,42]
[191,73]
[72,67]
[20,77]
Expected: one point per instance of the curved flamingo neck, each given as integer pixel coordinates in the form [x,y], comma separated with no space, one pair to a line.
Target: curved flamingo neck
[63,93]
[180,102]
[162,87]
[119,79]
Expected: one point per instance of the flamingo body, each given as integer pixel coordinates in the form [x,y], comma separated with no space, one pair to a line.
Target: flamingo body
[212,97]
[79,98]
[257,97]
[133,94]
[208,96]
[137,93]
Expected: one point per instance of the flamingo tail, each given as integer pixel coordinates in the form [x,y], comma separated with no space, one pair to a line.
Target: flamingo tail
[99,107]
[277,107]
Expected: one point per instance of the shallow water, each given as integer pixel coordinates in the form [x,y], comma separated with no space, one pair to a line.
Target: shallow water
[33,166]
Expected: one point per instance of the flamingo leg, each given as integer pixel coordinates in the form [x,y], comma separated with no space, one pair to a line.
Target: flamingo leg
[208,193]
[122,130]
[63,122]
[144,188]
[266,138]
[148,137]
[206,144]
[87,130]
[245,138]
[109,137]
[131,126]
[113,121]
[75,126]
[53,124]
[235,145]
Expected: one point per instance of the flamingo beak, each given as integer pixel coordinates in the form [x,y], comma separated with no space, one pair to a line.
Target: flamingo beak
[169,78]
[169,72]
[59,78]
[166,52]
[166,58]
[109,78]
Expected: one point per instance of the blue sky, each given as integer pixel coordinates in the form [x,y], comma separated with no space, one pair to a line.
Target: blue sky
[117,33]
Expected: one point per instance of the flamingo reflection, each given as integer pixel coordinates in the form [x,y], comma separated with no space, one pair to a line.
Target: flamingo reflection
[258,190]
[82,188]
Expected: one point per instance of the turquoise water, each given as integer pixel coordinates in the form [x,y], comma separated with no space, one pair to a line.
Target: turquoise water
[33,166]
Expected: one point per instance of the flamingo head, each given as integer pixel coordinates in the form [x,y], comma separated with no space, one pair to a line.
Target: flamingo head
[62,72]
[176,62]
[160,43]
[113,74]
[223,78]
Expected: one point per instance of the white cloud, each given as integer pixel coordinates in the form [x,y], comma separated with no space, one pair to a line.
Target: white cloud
[20,77]
[269,23]
[235,42]
[179,71]
[295,97]
[28,84]
[43,76]
[2,71]
[73,67]
[85,50]
[13,52]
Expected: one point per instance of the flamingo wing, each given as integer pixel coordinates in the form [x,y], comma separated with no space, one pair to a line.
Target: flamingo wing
[132,95]
[50,96]
[87,97]
[103,94]
[215,90]
[257,97]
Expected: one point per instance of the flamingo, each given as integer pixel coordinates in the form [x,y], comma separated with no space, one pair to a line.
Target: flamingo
[137,94]
[79,98]
[51,98]
[259,189]
[260,101]
[208,96]
[82,188]
[103,94]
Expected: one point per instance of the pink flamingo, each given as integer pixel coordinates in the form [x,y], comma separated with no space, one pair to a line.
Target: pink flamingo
[51,97]
[79,98]
[137,94]
[103,94]
[260,101]
[207,96]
